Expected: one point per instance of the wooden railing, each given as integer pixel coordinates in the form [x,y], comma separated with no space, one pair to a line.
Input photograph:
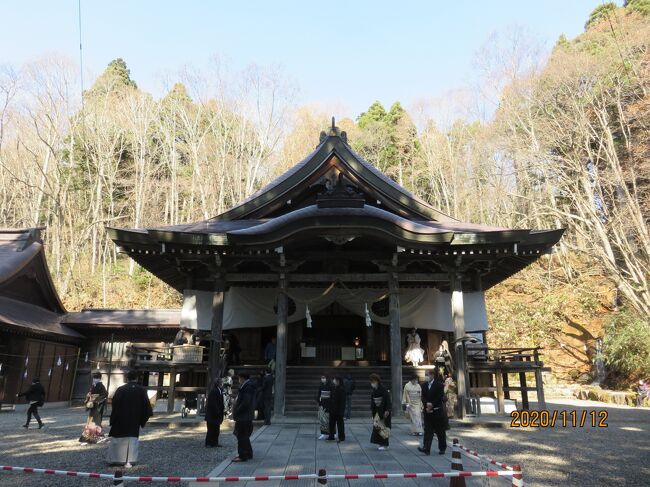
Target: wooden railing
[143,353]
[482,352]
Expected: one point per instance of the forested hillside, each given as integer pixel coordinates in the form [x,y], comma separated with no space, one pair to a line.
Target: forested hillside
[568,145]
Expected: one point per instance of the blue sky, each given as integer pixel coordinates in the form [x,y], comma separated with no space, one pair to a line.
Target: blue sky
[344,53]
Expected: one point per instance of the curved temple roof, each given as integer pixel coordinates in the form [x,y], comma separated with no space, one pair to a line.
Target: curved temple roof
[305,203]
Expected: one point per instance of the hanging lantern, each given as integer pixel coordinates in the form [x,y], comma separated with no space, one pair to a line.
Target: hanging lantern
[25,375]
[26,361]
[308,316]
[58,361]
[49,373]
[66,366]
[368,320]
[86,359]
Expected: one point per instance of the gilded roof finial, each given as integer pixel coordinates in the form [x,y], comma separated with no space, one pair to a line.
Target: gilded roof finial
[333,124]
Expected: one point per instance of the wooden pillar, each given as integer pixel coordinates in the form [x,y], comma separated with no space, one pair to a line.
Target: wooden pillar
[506,386]
[171,391]
[161,380]
[500,399]
[281,348]
[539,381]
[395,343]
[539,385]
[216,329]
[524,391]
[458,319]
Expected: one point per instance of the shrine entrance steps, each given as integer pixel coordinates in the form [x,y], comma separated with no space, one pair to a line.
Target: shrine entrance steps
[303,382]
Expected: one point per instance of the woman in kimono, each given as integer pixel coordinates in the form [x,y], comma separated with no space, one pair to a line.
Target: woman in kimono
[380,406]
[414,353]
[451,396]
[95,402]
[323,398]
[412,401]
[443,359]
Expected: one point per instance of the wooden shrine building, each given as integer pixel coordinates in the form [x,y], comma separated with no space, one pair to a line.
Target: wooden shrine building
[336,260]
[34,341]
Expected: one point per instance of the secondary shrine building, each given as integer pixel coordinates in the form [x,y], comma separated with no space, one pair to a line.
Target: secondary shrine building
[338,262]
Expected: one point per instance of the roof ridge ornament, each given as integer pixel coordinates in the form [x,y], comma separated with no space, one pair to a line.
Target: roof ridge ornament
[333,131]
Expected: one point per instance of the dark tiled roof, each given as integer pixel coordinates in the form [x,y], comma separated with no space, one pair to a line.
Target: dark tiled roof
[32,319]
[163,318]
[22,250]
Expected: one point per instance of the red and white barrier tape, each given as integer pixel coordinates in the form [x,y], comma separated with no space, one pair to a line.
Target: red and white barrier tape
[313,476]
[476,454]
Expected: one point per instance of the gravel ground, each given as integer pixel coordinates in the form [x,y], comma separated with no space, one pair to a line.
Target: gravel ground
[559,456]
[573,456]
[163,451]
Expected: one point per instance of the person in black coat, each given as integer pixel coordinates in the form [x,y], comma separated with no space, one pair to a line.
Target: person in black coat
[130,411]
[267,395]
[35,396]
[349,386]
[381,407]
[243,412]
[214,409]
[337,410]
[433,394]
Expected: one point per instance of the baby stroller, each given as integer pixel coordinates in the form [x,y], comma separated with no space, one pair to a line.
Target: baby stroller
[193,402]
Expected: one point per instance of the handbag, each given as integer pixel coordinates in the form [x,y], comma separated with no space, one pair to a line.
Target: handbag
[89,405]
[380,426]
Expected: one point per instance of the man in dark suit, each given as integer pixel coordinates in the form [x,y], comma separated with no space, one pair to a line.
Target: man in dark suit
[214,408]
[337,410]
[243,412]
[433,393]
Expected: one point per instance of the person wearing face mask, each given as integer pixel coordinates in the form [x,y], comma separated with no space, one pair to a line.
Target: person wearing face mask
[433,393]
[380,406]
[323,398]
[95,402]
[337,410]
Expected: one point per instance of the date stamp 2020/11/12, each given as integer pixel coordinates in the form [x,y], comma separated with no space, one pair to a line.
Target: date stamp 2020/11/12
[563,418]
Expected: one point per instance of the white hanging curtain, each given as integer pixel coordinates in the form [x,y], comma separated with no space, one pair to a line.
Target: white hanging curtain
[420,308]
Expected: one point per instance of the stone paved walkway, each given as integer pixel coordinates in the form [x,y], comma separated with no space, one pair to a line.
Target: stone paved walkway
[294,449]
